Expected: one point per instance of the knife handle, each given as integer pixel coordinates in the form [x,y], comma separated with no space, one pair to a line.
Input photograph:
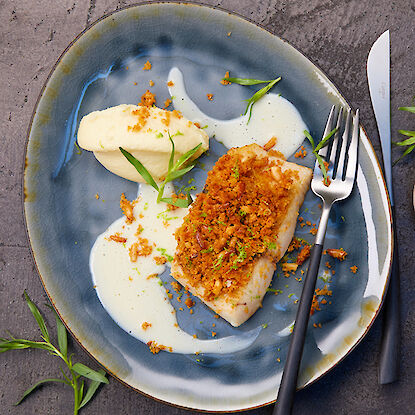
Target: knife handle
[390,347]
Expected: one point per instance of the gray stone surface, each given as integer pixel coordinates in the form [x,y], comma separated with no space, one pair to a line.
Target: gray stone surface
[337,36]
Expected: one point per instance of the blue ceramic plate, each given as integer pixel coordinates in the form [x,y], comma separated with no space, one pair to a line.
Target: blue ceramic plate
[100,69]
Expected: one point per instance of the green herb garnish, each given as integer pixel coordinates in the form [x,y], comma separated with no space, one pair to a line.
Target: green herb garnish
[324,141]
[271,245]
[76,370]
[409,142]
[217,263]
[175,171]
[164,252]
[258,95]
[235,170]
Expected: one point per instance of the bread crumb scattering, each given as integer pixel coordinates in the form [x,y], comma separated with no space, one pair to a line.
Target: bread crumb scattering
[118,238]
[209,97]
[145,325]
[271,143]
[149,277]
[151,82]
[301,153]
[167,102]
[315,306]
[224,81]
[148,99]
[156,348]
[177,287]
[353,269]
[233,222]
[147,66]
[303,254]
[140,248]
[160,260]
[97,196]
[170,83]
[189,302]
[127,208]
[142,113]
[337,253]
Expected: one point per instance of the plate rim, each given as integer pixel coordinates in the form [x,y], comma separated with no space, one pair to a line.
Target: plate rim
[380,180]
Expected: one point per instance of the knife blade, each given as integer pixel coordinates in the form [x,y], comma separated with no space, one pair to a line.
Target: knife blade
[378,74]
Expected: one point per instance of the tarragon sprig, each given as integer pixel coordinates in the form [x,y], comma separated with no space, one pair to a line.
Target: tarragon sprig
[76,370]
[409,142]
[175,171]
[324,141]
[258,95]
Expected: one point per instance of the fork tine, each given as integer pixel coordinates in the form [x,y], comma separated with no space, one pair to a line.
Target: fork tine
[329,127]
[335,141]
[342,157]
[353,149]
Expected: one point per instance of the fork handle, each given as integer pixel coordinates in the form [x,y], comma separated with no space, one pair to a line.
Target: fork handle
[288,385]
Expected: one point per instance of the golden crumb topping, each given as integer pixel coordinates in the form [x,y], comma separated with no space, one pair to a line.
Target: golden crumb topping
[270,143]
[142,114]
[224,81]
[147,66]
[148,99]
[127,208]
[145,325]
[140,248]
[233,222]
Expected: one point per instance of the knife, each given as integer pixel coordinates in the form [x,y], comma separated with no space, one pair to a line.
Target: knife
[378,75]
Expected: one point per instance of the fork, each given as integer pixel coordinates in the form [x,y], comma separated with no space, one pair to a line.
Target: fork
[342,175]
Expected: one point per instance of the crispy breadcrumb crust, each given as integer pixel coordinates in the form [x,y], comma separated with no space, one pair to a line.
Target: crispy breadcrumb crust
[233,222]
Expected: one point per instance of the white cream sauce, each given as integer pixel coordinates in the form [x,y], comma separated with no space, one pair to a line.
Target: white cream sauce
[272,116]
[131,298]
[123,287]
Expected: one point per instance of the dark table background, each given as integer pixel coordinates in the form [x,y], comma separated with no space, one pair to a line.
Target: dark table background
[337,36]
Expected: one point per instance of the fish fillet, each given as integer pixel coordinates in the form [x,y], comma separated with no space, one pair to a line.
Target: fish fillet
[238,228]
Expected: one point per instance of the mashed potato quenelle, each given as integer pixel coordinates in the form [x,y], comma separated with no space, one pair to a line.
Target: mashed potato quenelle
[144,132]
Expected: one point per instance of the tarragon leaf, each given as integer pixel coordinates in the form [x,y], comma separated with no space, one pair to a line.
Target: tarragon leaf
[171,160]
[17,344]
[89,373]
[246,81]
[62,334]
[409,109]
[407,133]
[310,139]
[325,140]
[36,385]
[38,317]
[93,386]
[322,165]
[407,142]
[175,174]
[407,151]
[186,156]
[81,392]
[258,95]
[140,168]
[183,203]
